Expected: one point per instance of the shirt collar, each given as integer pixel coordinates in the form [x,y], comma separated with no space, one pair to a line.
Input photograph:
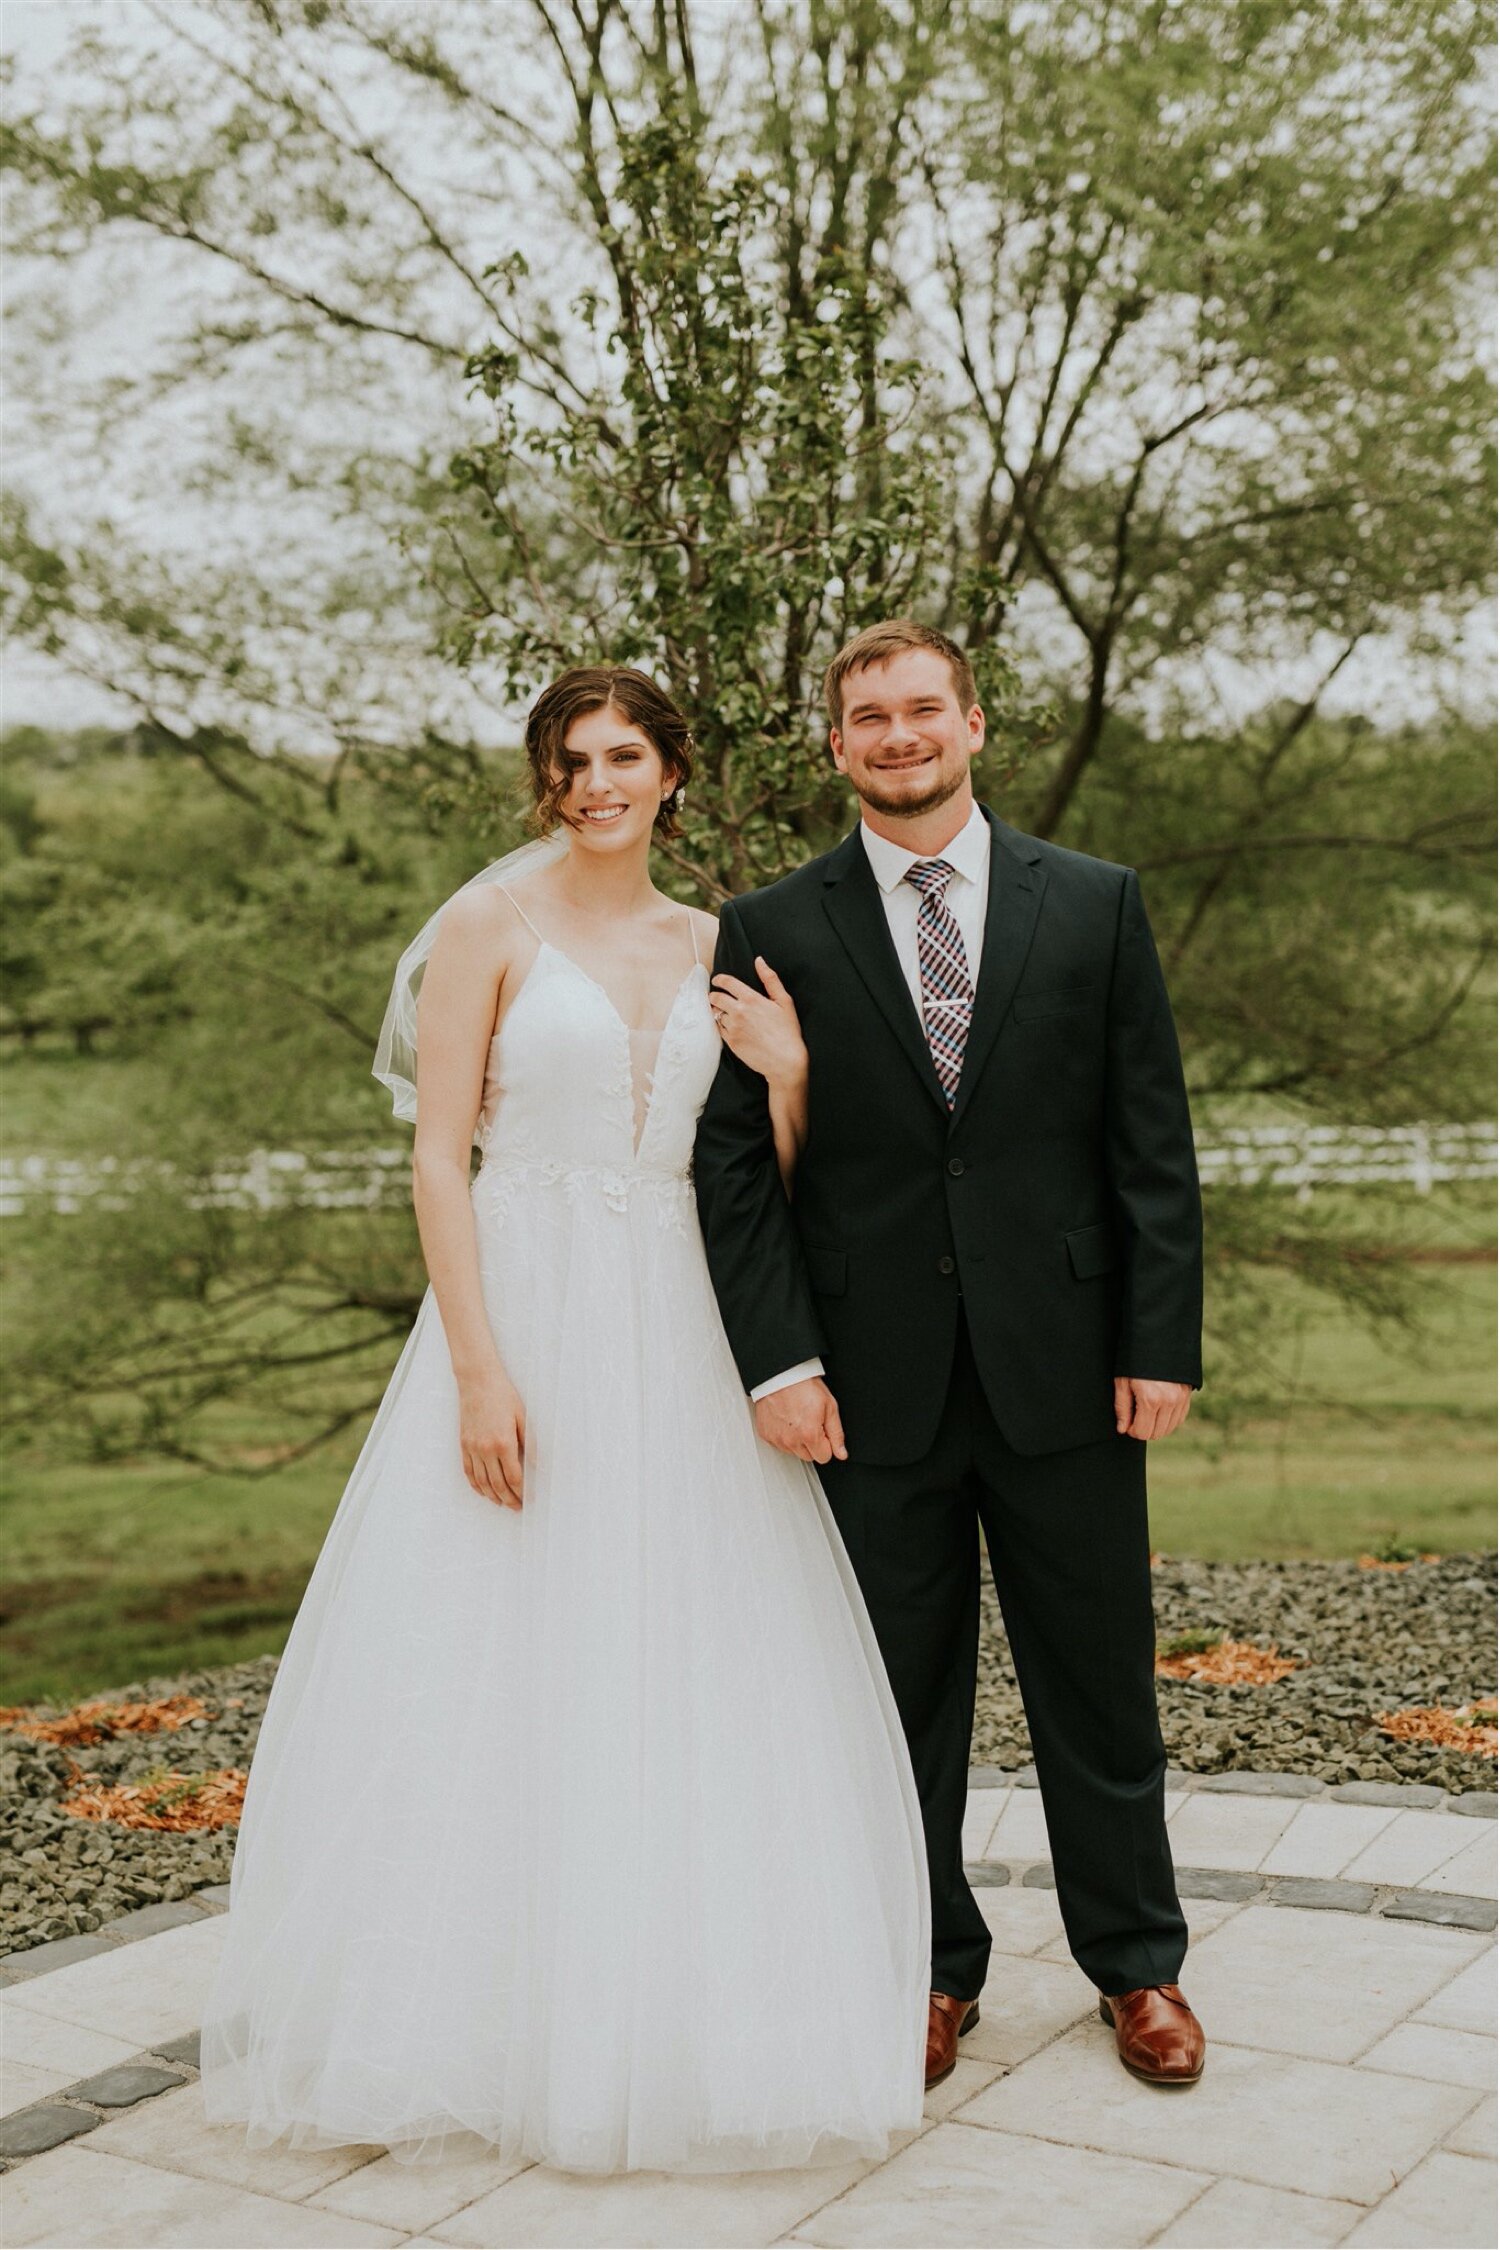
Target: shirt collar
[967,855]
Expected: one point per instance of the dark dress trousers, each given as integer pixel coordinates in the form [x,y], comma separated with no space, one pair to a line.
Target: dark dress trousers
[973,1281]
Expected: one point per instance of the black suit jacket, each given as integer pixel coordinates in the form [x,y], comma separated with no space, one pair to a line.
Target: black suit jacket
[1060,1197]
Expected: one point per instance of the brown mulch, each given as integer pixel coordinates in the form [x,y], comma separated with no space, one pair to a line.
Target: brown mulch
[1473,1729]
[174,1801]
[1379,1562]
[1228,1664]
[163,1799]
[88,1723]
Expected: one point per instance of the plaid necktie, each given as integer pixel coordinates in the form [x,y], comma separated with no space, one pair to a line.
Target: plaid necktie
[947,994]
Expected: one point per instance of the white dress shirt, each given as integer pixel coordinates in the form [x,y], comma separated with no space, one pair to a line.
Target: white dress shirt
[966,898]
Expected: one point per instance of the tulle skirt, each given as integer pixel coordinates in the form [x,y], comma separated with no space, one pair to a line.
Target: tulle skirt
[586,1833]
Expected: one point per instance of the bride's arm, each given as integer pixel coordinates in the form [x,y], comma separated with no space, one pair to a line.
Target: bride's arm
[456,1009]
[763,1029]
[789,1127]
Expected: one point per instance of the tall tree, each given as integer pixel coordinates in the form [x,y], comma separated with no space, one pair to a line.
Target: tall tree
[1213,282]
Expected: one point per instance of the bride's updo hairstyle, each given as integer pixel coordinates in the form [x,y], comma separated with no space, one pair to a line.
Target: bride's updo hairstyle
[601,687]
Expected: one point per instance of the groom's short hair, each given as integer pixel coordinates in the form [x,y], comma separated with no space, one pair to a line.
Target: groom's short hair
[877,644]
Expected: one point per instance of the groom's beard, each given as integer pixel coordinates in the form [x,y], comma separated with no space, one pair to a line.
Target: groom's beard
[908,807]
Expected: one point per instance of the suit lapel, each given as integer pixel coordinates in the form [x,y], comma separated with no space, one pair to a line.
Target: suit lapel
[1017,882]
[851,898]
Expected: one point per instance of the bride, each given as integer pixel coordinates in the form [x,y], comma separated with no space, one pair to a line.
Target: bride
[581,1823]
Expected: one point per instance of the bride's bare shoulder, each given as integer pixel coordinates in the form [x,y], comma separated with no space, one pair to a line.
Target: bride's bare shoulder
[483,922]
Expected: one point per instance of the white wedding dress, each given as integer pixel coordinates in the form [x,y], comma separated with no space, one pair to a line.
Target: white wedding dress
[588,1831]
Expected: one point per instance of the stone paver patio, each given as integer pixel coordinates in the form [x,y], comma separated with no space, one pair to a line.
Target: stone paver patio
[1342,1962]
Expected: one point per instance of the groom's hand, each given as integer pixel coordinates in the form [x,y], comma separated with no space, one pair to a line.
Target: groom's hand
[1150,1410]
[804,1420]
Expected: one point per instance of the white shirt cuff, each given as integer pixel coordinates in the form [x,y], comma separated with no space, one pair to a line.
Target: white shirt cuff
[797,1374]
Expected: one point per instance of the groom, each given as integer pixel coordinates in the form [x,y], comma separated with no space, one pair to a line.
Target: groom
[983,1301]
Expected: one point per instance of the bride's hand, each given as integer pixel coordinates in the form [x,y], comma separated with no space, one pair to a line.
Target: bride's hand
[762,1028]
[492,1433]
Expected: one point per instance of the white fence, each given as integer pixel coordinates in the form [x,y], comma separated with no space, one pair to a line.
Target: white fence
[1306,1157]
[1303,1158]
[268,1179]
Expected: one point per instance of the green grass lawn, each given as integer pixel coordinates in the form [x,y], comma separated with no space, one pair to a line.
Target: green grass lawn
[1374,1440]
[113,1572]
[116,1572]
[119,1571]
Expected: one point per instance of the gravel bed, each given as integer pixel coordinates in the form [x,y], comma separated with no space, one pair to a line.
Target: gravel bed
[61,1876]
[1369,1641]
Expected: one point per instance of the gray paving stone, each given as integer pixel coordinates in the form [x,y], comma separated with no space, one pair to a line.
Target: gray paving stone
[131,1994]
[1024,1777]
[988,1777]
[1447,2198]
[1476,2134]
[1282,2121]
[987,1874]
[214,1897]
[1479,1804]
[173,2134]
[1437,1906]
[962,2184]
[1287,1981]
[36,1960]
[1403,1796]
[80,2194]
[1213,1828]
[124,2084]
[1178,1777]
[1429,2050]
[1313,1890]
[183,2050]
[1469,2001]
[1263,1784]
[29,2131]
[1040,1877]
[145,1921]
[1020,1832]
[1234,2213]
[1216,1882]
[417,2196]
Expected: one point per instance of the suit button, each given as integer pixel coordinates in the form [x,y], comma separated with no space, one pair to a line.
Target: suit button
[956,1166]
[945,1265]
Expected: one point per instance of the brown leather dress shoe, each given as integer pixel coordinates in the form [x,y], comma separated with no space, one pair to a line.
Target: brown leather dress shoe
[947,2021]
[1158,2036]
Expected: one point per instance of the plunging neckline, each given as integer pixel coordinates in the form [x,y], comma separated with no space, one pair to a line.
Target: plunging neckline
[637,1139]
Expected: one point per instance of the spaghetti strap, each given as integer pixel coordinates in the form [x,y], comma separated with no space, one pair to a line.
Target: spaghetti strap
[525,917]
[693,934]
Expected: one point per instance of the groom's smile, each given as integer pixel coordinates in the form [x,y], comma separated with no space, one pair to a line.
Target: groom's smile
[903,737]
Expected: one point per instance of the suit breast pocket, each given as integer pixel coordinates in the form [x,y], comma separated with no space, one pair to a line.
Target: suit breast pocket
[1054,1000]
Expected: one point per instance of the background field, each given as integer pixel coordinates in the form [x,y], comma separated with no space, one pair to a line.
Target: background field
[1340,1441]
